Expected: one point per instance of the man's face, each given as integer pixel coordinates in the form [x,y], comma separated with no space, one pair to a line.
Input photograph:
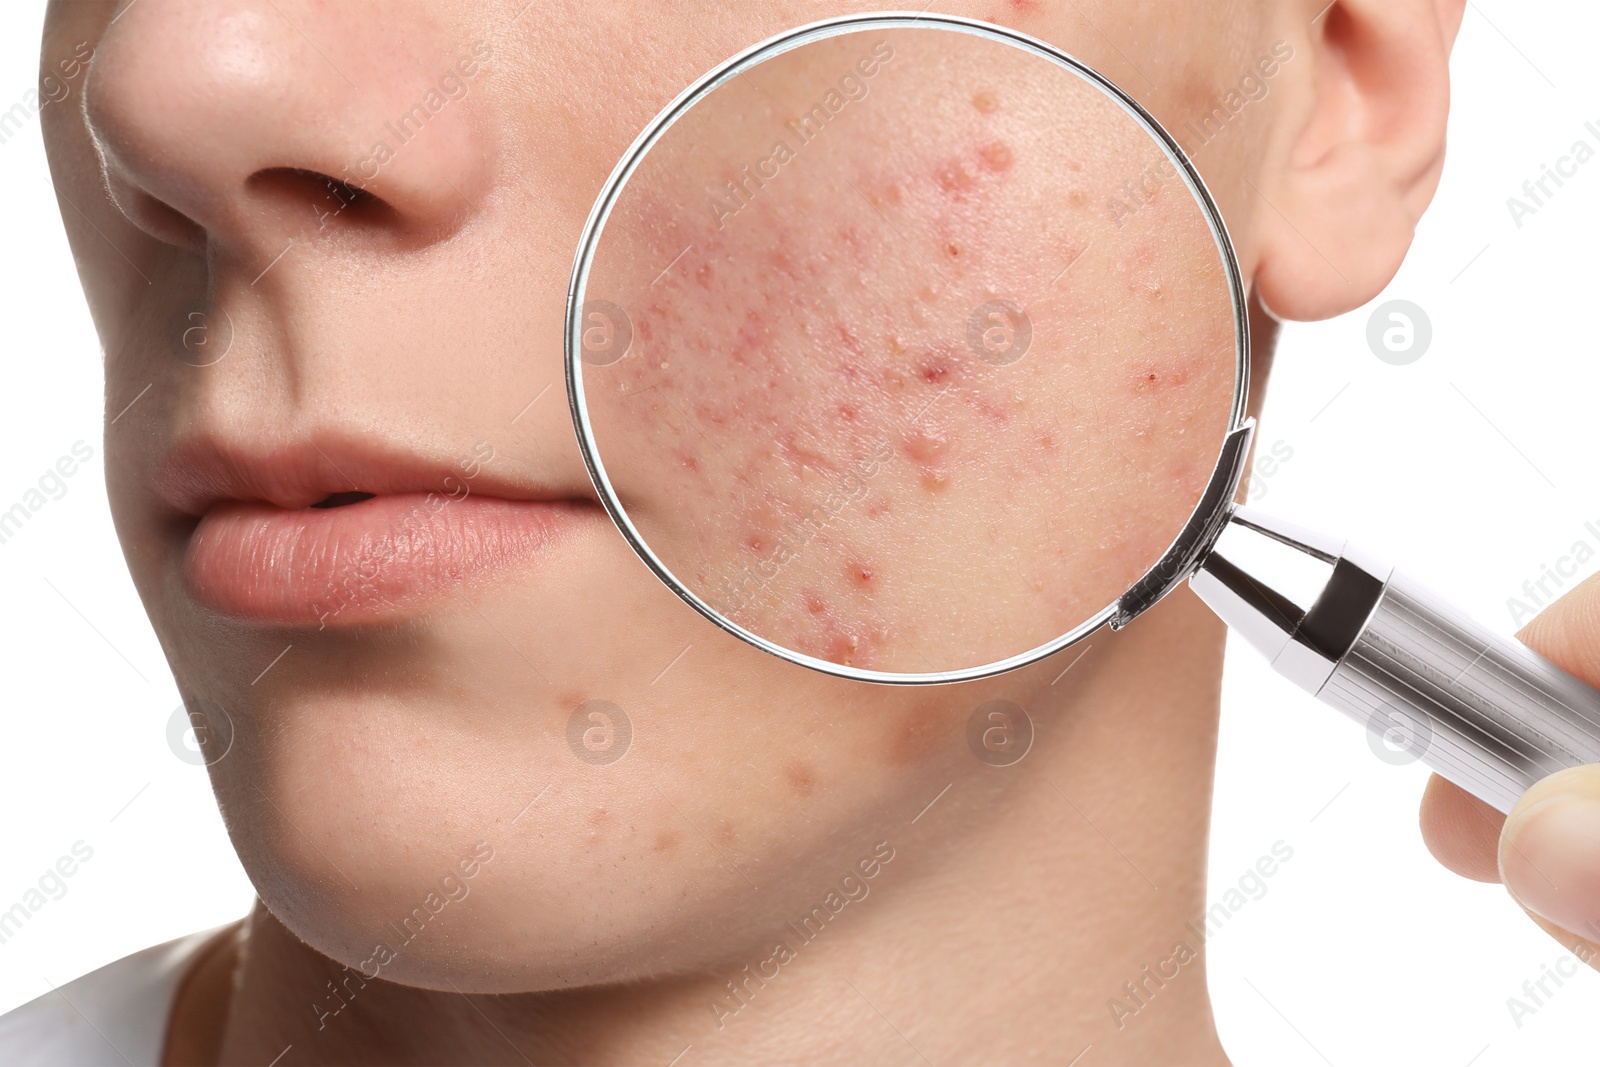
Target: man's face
[460,659]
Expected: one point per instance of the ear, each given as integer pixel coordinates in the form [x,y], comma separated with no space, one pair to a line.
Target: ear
[1361,155]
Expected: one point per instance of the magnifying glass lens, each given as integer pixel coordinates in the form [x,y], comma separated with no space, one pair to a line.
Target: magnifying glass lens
[904,349]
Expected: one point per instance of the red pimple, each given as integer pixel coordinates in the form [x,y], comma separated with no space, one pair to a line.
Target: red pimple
[752,332]
[1162,378]
[861,575]
[996,156]
[986,102]
[843,650]
[838,645]
[847,413]
[953,179]
[916,737]
[802,779]
[814,603]
[992,411]
[705,413]
[952,249]
[889,195]
[926,447]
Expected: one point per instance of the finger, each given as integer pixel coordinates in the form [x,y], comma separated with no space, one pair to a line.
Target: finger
[1461,831]
[1568,632]
[1550,850]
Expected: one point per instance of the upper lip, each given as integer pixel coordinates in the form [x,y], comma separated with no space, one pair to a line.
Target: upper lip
[200,472]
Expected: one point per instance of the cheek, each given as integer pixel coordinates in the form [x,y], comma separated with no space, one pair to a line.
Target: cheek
[864,398]
[799,395]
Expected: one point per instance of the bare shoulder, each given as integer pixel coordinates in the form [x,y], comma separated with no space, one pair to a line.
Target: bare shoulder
[114,1014]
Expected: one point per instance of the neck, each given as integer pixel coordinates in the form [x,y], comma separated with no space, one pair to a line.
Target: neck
[1051,907]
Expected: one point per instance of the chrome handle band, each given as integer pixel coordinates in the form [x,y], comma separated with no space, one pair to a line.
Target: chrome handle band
[1483,710]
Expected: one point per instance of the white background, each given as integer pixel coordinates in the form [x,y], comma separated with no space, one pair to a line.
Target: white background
[1472,467]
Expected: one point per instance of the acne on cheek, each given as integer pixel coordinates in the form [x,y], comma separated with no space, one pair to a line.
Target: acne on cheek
[928,447]
[791,299]
[811,385]
[798,341]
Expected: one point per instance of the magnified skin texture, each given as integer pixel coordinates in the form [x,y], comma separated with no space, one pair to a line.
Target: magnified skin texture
[910,387]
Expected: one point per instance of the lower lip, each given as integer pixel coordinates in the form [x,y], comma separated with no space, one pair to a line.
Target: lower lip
[364,561]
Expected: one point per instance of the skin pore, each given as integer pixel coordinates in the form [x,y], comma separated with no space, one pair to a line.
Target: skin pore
[403,773]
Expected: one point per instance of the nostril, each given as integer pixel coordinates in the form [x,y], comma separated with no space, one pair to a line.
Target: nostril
[160,219]
[151,213]
[327,201]
[317,200]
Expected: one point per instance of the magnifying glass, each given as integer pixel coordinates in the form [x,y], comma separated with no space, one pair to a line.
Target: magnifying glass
[912,350]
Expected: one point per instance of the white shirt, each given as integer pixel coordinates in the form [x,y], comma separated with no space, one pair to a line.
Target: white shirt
[115,1015]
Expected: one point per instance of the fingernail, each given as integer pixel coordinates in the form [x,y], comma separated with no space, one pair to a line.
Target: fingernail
[1550,860]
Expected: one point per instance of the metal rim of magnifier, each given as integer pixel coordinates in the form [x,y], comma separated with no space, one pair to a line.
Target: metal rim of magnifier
[1210,512]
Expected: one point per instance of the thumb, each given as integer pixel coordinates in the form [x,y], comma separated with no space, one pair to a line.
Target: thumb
[1550,851]
[1550,846]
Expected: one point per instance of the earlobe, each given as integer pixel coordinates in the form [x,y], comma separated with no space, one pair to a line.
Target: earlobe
[1362,158]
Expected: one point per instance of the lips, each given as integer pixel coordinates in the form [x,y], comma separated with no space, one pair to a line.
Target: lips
[341,535]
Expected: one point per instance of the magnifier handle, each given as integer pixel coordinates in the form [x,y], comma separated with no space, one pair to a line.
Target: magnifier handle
[1483,710]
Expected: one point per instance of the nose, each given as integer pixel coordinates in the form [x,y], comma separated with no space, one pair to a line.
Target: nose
[235,125]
